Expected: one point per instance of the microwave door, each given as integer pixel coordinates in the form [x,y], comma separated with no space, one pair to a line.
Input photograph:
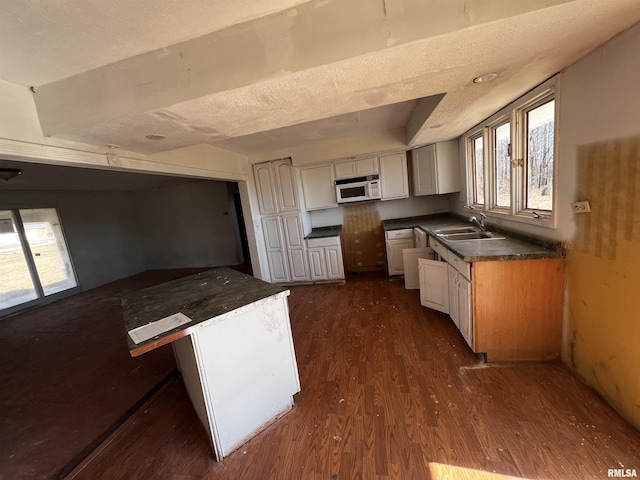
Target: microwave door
[353,192]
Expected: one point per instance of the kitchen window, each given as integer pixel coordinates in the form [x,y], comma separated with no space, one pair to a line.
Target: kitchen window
[34,260]
[511,159]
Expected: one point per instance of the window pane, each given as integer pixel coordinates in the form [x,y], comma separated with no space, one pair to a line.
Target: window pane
[16,286]
[44,234]
[540,144]
[478,171]
[502,141]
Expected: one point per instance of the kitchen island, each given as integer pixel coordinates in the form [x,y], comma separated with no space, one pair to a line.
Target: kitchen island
[232,340]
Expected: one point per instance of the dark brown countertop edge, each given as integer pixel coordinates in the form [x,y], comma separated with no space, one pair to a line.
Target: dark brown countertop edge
[256,290]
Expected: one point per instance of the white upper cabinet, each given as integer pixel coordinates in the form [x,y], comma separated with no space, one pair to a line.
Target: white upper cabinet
[276,187]
[394,179]
[356,168]
[436,169]
[319,188]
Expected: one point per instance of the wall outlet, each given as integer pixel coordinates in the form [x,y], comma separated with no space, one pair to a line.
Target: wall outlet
[581,207]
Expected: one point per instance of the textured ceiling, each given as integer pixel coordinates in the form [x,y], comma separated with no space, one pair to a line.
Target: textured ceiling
[260,77]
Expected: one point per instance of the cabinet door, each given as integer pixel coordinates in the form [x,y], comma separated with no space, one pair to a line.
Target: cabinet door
[298,265]
[335,267]
[319,188]
[366,166]
[317,265]
[423,169]
[395,261]
[394,180]
[434,288]
[286,191]
[410,258]
[465,324]
[276,256]
[453,283]
[436,169]
[265,188]
[345,169]
[294,236]
[295,247]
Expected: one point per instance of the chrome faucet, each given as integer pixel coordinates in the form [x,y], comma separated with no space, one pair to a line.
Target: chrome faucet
[482,223]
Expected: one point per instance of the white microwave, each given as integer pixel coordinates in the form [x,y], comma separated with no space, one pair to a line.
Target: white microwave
[358,189]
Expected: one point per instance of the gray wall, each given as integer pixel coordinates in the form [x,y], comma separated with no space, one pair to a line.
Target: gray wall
[187,226]
[112,235]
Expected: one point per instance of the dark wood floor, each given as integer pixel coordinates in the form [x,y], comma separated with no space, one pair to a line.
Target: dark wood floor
[66,377]
[389,391]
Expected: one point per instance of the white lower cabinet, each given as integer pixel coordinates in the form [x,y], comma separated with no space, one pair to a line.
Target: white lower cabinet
[396,242]
[465,310]
[410,258]
[434,288]
[325,258]
[454,307]
[444,286]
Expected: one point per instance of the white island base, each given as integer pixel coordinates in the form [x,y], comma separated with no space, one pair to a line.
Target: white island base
[240,372]
[232,340]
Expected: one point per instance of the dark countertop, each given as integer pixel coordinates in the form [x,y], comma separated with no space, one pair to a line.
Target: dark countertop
[200,297]
[324,232]
[514,246]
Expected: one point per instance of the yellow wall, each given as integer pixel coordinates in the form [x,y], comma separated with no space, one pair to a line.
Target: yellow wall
[603,275]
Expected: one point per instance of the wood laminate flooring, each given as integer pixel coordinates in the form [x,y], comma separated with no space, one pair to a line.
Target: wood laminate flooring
[66,377]
[389,391]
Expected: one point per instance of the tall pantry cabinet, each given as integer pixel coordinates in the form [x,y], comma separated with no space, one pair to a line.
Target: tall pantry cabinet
[283,224]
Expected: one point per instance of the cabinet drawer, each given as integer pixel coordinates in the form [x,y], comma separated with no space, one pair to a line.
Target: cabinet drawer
[397,234]
[323,242]
[460,265]
[438,247]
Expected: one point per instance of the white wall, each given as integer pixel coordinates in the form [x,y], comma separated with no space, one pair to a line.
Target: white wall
[406,207]
[187,226]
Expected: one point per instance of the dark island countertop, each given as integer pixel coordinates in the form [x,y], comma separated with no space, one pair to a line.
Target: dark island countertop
[199,297]
[324,232]
[510,245]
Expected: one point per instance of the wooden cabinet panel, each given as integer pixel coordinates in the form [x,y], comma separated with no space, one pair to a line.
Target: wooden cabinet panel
[518,308]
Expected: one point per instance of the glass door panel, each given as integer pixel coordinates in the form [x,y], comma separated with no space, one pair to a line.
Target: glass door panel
[16,285]
[49,250]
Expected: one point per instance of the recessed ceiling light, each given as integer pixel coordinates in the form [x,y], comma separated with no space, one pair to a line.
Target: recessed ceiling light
[487,77]
[156,136]
[113,145]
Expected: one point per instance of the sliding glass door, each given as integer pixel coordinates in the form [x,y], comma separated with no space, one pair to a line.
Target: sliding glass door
[34,260]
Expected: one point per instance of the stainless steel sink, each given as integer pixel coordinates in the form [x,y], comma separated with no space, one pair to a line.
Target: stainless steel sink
[456,230]
[475,235]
